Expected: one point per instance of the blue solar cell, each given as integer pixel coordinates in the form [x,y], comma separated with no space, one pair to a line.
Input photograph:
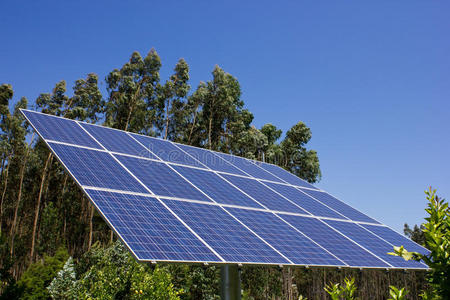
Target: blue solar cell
[151,231]
[209,159]
[396,239]
[215,187]
[248,167]
[372,243]
[340,206]
[160,179]
[284,175]
[59,129]
[167,151]
[263,194]
[306,202]
[343,248]
[224,234]
[96,168]
[117,141]
[292,244]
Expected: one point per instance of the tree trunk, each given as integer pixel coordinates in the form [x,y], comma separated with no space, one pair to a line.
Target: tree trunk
[3,196]
[91,225]
[167,120]
[133,104]
[193,125]
[128,118]
[209,131]
[38,205]
[19,196]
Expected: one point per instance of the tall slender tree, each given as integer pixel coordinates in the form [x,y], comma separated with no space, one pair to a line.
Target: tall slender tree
[132,94]
[172,102]
[296,158]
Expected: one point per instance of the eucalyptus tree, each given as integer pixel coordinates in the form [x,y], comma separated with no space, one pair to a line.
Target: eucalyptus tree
[220,104]
[296,158]
[87,103]
[172,103]
[132,94]
[17,130]
[194,132]
[273,152]
[6,94]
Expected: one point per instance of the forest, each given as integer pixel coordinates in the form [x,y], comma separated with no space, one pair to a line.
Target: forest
[55,245]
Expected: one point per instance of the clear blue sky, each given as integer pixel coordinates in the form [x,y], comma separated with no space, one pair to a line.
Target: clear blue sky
[371,79]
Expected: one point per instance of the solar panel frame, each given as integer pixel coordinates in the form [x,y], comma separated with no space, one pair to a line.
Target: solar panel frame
[359,223]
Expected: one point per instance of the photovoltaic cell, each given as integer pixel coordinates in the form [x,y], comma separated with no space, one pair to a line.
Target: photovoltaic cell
[160,179]
[96,168]
[284,175]
[340,206]
[150,229]
[224,234]
[263,195]
[215,187]
[167,151]
[209,159]
[292,244]
[372,243]
[343,248]
[117,141]
[248,167]
[306,202]
[395,239]
[59,129]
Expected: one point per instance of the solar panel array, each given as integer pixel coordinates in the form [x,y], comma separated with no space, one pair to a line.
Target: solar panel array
[178,203]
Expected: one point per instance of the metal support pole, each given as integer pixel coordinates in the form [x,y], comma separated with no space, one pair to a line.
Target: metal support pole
[230,283]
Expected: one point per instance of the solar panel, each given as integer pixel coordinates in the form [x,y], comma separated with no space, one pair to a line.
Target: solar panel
[117,141]
[248,167]
[233,241]
[372,243]
[294,245]
[95,168]
[178,203]
[53,128]
[211,160]
[346,250]
[161,179]
[339,206]
[284,175]
[216,187]
[149,228]
[304,201]
[264,195]
[166,150]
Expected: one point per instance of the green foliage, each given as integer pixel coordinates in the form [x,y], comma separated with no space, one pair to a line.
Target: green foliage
[297,159]
[112,273]
[436,231]
[338,292]
[197,282]
[262,282]
[133,94]
[397,294]
[415,234]
[63,285]
[38,276]
[152,285]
